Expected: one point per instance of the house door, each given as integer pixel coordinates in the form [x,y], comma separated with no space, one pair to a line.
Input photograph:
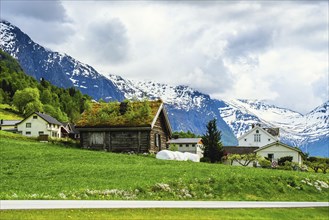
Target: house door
[270,157]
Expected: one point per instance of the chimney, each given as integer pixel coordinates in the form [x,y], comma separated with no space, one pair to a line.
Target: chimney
[123,107]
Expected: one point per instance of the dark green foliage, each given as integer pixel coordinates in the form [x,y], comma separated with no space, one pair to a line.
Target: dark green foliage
[182,134]
[318,163]
[282,160]
[63,104]
[212,142]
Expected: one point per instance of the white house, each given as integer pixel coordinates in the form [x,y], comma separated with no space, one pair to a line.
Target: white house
[191,145]
[276,150]
[259,137]
[38,124]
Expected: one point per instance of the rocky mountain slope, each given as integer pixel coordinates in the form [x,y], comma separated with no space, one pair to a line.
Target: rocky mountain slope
[188,109]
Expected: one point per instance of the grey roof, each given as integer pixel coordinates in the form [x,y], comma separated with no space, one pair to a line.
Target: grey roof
[9,122]
[184,141]
[279,143]
[48,118]
[239,150]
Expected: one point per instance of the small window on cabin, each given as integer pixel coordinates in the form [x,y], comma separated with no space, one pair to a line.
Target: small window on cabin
[28,132]
[186,145]
[245,139]
[40,132]
[28,125]
[180,145]
[157,140]
[257,131]
[35,117]
[269,139]
[193,145]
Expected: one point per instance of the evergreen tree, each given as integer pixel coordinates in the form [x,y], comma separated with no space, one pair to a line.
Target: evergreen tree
[212,141]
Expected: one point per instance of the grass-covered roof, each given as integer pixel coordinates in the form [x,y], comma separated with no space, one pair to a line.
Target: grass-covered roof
[120,114]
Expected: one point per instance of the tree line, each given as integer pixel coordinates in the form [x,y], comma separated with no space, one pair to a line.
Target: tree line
[29,95]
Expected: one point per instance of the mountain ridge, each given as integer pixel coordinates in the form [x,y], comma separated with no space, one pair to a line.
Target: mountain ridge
[188,109]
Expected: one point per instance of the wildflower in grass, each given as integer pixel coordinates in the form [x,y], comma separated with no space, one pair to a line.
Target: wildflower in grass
[62,195]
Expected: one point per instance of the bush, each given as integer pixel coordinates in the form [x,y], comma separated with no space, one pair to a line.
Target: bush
[282,160]
[173,147]
[264,163]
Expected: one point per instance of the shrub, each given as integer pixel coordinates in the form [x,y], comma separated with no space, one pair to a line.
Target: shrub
[173,147]
[282,160]
[264,163]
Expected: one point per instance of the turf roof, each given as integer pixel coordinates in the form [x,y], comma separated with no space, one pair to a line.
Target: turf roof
[136,114]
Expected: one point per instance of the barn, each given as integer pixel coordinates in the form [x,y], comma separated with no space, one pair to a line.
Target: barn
[141,126]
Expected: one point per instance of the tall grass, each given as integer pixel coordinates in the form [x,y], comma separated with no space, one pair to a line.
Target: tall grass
[33,170]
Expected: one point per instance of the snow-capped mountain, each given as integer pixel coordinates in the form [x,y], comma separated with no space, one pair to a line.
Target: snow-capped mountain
[60,69]
[310,132]
[187,108]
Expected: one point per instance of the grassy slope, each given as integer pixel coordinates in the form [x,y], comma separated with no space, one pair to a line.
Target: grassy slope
[8,115]
[32,170]
[224,214]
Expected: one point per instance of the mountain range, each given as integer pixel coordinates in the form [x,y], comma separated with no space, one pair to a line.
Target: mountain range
[187,108]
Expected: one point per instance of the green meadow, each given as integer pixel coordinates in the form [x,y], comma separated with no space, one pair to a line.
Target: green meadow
[165,214]
[33,170]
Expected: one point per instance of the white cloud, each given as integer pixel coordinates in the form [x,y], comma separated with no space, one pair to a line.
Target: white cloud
[276,51]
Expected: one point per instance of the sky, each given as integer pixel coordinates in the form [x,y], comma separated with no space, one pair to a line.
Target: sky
[269,50]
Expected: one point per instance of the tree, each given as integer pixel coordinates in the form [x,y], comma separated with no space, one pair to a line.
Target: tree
[244,159]
[27,100]
[212,141]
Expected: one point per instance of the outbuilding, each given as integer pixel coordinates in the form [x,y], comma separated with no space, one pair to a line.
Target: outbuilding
[141,126]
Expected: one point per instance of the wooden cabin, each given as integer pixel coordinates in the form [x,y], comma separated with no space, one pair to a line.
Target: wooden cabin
[124,127]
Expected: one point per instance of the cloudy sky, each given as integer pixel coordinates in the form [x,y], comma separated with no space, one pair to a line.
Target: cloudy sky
[269,50]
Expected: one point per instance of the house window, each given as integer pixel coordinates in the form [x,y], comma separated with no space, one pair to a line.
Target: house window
[257,137]
[35,117]
[28,132]
[193,145]
[269,139]
[257,132]
[40,132]
[180,145]
[28,125]
[245,139]
[186,145]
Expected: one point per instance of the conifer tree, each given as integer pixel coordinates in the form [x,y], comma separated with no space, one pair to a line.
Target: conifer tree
[212,141]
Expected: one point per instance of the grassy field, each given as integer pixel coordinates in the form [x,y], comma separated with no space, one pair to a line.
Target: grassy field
[167,214]
[8,113]
[33,170]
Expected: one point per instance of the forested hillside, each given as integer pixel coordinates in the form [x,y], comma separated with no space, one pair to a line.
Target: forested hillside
[29,95]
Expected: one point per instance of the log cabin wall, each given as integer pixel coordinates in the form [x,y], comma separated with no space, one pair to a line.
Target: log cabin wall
[160,130]
[116,141]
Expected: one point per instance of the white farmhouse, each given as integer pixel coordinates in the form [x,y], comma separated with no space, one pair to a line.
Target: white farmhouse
[259,137]
[191,145]
[39,124]
[276,150]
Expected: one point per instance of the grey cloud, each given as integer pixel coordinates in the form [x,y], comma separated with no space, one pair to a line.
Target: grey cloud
[40,10]
[248,42]
[212,78]
[107,41]
[321,88]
